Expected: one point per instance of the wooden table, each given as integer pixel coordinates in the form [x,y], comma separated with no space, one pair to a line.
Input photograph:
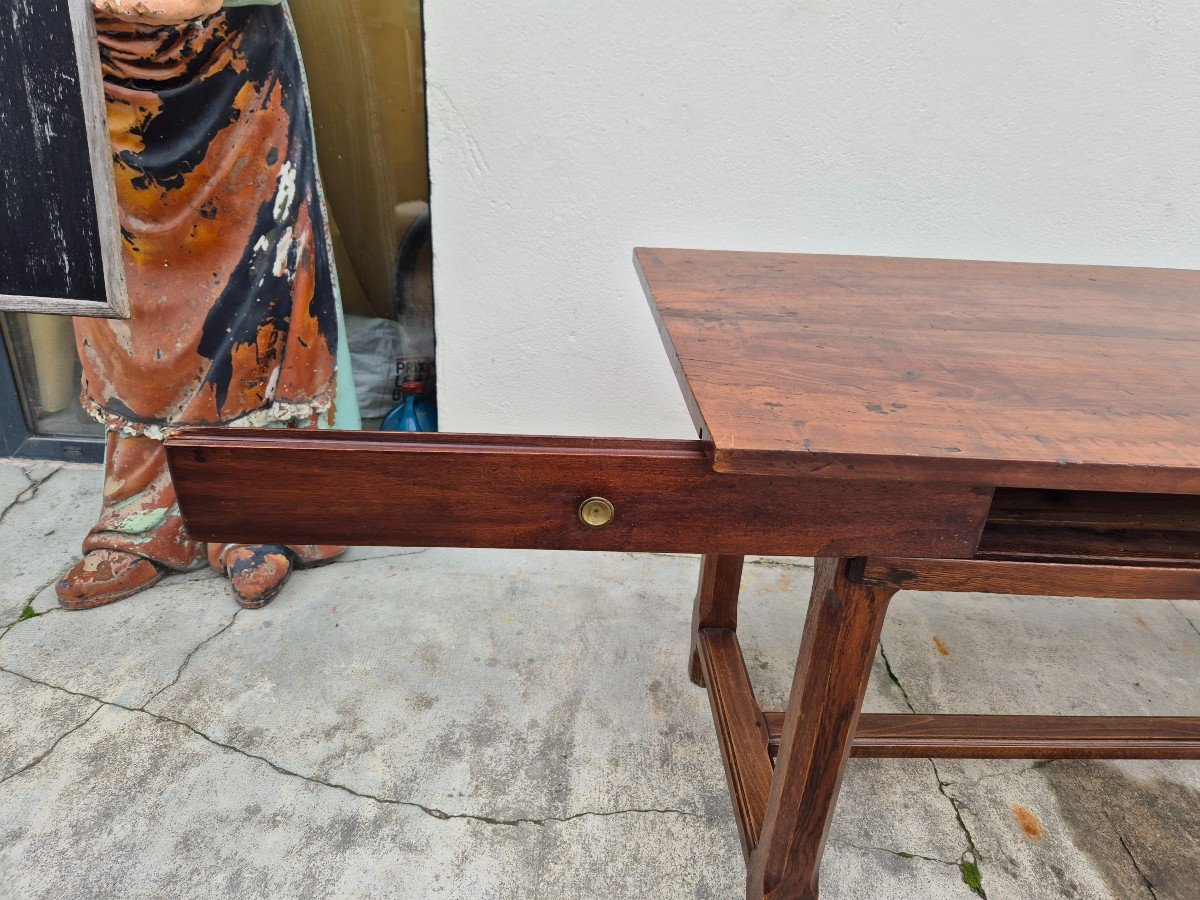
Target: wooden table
[913,424]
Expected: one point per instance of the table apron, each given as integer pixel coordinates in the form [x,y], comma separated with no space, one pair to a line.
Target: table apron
[449,490]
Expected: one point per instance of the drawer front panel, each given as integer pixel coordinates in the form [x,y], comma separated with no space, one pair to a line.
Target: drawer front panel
[443,490]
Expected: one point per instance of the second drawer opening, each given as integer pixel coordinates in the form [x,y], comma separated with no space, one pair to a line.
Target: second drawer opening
[1092,526]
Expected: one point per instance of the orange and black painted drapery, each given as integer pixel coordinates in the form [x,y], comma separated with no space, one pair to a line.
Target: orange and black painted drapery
[234,305]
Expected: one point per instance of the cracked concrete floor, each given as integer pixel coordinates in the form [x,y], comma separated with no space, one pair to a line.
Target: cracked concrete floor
[449,723]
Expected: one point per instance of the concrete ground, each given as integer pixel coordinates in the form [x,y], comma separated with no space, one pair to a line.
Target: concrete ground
[483,724]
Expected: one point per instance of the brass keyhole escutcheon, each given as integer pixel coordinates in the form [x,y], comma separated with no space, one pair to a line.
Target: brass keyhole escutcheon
[596,512]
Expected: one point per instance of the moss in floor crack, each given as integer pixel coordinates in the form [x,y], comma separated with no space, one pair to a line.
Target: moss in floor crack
[971,876]
[27,613]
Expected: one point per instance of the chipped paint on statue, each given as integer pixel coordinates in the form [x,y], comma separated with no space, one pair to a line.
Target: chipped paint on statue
[233,300]
[235,317]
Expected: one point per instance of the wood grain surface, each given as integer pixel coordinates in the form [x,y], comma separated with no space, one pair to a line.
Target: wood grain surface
[395,489]
[716,604]
[741,730]
[1004,374]
[841,633]
[907,735]
[1033,579]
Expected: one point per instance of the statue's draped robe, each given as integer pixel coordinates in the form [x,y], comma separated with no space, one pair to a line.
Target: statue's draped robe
[233,304]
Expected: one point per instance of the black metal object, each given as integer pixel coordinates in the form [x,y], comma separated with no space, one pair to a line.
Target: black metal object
[16,438]
[408,252]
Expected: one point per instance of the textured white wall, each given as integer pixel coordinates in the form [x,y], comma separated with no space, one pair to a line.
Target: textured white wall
[565,132]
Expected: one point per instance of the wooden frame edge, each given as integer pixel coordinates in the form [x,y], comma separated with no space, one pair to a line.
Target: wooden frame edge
[91,89]
[741,730]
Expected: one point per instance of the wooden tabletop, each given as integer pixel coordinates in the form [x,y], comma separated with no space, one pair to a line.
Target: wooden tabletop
[1005,374]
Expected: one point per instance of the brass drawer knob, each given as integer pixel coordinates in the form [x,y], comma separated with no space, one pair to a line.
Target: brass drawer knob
[596,512]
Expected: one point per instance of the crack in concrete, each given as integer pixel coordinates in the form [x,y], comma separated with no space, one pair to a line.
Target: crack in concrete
[187,659]
[891,674]
[62,737]
[432,812]
[953,863]
[968,863]
[971,855]
[549,820]
[29,492]
[25,496]
[26,612]
[1175,606]
[1132,859]
[1012,773]
[350,562]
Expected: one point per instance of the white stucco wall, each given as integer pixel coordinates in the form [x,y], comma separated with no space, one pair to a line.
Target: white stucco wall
[565,132]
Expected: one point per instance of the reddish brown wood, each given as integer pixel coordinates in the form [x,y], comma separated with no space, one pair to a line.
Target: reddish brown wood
[853,407]
[988,373]
[1052,544]
[1098,511]
[892,736]
[1035,579]
[271,486]
[1092,527]
[741,730]
[716,604]
[841,632]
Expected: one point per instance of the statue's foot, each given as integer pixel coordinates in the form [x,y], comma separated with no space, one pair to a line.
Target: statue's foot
[106,576]
[257,573]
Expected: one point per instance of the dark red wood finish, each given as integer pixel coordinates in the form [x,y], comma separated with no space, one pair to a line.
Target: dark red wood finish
[822,727]
[899,735]
[1002,374]
[715,605]
[1037,578]
[741,730]
[393,489]
[917,424]
[841,633]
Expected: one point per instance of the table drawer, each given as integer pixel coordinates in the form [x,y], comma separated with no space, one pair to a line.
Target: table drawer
[272,486]
[1092,527]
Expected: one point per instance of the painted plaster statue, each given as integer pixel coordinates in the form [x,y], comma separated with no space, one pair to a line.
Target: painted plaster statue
[234,303]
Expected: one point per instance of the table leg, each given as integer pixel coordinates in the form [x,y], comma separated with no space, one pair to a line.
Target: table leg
[716,603]
[841,633]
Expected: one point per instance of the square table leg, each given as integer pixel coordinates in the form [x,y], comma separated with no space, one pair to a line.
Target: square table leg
[841,634]
[716,604]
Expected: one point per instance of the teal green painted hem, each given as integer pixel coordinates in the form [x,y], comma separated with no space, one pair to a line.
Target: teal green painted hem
[346,416]
[140,523]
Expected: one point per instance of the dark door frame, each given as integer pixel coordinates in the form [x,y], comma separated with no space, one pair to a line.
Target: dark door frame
[16,439]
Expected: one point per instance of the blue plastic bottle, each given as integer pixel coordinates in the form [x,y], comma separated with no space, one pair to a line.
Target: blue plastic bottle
[414,414]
